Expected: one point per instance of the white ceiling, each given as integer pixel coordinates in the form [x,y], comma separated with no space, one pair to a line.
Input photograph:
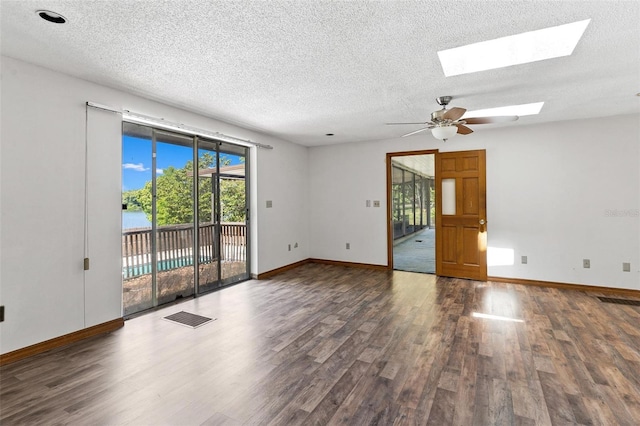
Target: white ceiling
[300,69]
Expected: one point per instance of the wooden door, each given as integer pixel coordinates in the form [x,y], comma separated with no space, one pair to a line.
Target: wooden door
[461,231]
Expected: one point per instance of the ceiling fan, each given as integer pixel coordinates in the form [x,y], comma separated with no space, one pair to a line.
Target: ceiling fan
[446,123]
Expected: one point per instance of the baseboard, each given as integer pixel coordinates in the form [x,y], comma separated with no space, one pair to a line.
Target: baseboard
[58,342]
[564,286]
[273,272]
[350,264]
[269,274]
[567,286]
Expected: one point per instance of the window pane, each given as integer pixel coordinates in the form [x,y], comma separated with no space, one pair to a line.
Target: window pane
[448,196]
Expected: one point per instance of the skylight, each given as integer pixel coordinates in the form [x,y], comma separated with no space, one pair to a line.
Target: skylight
[519,110]
[532,46]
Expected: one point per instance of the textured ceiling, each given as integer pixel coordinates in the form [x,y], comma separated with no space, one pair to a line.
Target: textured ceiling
[300,69]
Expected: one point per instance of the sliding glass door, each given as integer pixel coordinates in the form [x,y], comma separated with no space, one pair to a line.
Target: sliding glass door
[172,209]
[138,253]
[222,214]
[208,229]
[174,184]
[232,189]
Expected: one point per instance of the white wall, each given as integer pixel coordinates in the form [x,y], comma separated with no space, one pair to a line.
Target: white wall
[549,187]
[342,178]
[42,197]
[102,240]
[549,190]
[283,179]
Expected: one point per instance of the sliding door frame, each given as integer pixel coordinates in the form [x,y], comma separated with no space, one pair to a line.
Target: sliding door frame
[214,146]
[226,281]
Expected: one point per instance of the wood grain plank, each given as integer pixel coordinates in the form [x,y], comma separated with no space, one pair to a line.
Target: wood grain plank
[327,344]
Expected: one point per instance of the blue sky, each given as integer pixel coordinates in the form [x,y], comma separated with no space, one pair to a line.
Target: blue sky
[136,160]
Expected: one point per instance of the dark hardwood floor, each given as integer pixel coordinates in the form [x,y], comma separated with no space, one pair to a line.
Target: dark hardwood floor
[325,344]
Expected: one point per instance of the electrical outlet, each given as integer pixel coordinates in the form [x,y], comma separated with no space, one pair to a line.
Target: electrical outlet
[368,203]
[348,246]
[376,203]
[524,260]
[269,204]
[586,263]
[626,267]
[295,245]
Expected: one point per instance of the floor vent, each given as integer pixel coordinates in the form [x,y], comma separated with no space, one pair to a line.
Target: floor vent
[619,301]
[188,319]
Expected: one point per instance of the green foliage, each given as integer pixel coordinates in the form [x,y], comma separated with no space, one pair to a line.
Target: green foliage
[174,189]
[232,200]
[173,202]
[130,198]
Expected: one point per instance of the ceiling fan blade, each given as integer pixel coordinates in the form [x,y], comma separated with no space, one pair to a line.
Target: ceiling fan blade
[487,120]
[417,131]
[463,130]
[454,113]
[391,124]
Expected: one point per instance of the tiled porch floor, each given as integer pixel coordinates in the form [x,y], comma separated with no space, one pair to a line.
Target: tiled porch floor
[416,254]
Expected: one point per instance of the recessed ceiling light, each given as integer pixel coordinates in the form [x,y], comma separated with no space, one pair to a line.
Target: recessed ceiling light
[519,110]
[50,16]
[531,46]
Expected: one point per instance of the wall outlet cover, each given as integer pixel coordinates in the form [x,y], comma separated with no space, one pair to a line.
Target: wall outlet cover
[524,260]
[586,263]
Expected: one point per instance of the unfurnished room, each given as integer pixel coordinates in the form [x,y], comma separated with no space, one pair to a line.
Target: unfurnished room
[319,212]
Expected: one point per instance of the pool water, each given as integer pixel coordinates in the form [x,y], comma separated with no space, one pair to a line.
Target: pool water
[163,265]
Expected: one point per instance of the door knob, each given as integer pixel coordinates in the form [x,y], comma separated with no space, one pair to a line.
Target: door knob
[482,222]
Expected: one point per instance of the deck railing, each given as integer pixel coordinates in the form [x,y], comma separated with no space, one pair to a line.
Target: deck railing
[175,247]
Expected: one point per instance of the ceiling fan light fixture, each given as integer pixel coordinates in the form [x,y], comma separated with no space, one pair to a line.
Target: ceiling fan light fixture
[444,132]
